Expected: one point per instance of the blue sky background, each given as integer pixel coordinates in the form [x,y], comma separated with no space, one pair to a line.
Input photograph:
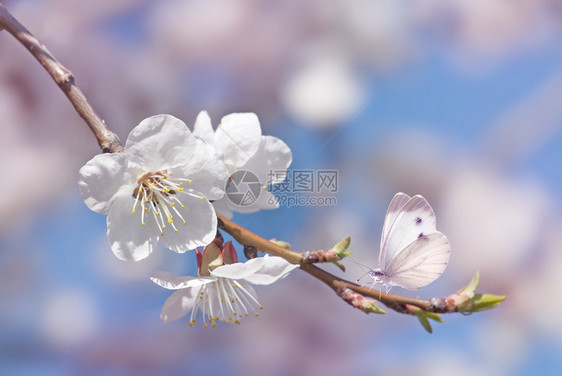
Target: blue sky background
[442,127]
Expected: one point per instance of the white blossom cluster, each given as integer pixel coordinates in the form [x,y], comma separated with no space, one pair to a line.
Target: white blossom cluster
[167,186]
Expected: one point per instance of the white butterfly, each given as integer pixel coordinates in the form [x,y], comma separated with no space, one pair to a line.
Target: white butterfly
[413,253]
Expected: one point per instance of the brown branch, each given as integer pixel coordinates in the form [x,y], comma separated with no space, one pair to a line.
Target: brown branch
[248,238]
[107,140]
[395,302]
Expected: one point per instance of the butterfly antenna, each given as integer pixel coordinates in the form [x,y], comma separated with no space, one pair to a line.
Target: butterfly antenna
[364,274]
[363,267]
[359,263]
[367,271]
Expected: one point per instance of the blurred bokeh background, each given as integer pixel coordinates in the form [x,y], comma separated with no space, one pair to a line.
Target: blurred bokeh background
[457,100]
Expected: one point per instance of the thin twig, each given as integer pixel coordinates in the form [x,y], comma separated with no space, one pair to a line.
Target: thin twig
[107,140]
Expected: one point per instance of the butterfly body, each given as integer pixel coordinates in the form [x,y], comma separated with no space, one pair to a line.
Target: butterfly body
[379,278]
[413,253]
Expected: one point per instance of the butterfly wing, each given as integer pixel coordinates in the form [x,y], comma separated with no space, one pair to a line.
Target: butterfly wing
[398,201]
[414,219]
[420,263]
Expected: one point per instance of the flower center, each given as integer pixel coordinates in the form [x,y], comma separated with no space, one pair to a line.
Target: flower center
[156,193]
[225,300]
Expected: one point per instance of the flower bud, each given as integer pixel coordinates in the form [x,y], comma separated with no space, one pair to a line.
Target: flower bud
[369,306]
[471,287]
[340,247]
[228,252]
[467,301]
[211,259]
[481,302]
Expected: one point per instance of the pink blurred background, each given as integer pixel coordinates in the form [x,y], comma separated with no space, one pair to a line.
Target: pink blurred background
[456,100]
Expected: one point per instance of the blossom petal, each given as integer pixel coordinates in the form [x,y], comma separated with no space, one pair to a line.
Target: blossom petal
[171,282]
[238,137]
[179,304]
[269,164]
[206,171]
[271,160]
[101,178]
[239,270]
[130,240]
[222,207]
[259,271]
[203,128]
[161,142]
[273,269]
[201,223]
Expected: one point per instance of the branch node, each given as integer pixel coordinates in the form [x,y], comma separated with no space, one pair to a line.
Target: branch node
[250,252]
[358,301]
[312,257]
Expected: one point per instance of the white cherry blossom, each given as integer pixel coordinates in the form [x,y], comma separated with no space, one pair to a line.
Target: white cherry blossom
[243,147]
[223,291]
[158,189]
